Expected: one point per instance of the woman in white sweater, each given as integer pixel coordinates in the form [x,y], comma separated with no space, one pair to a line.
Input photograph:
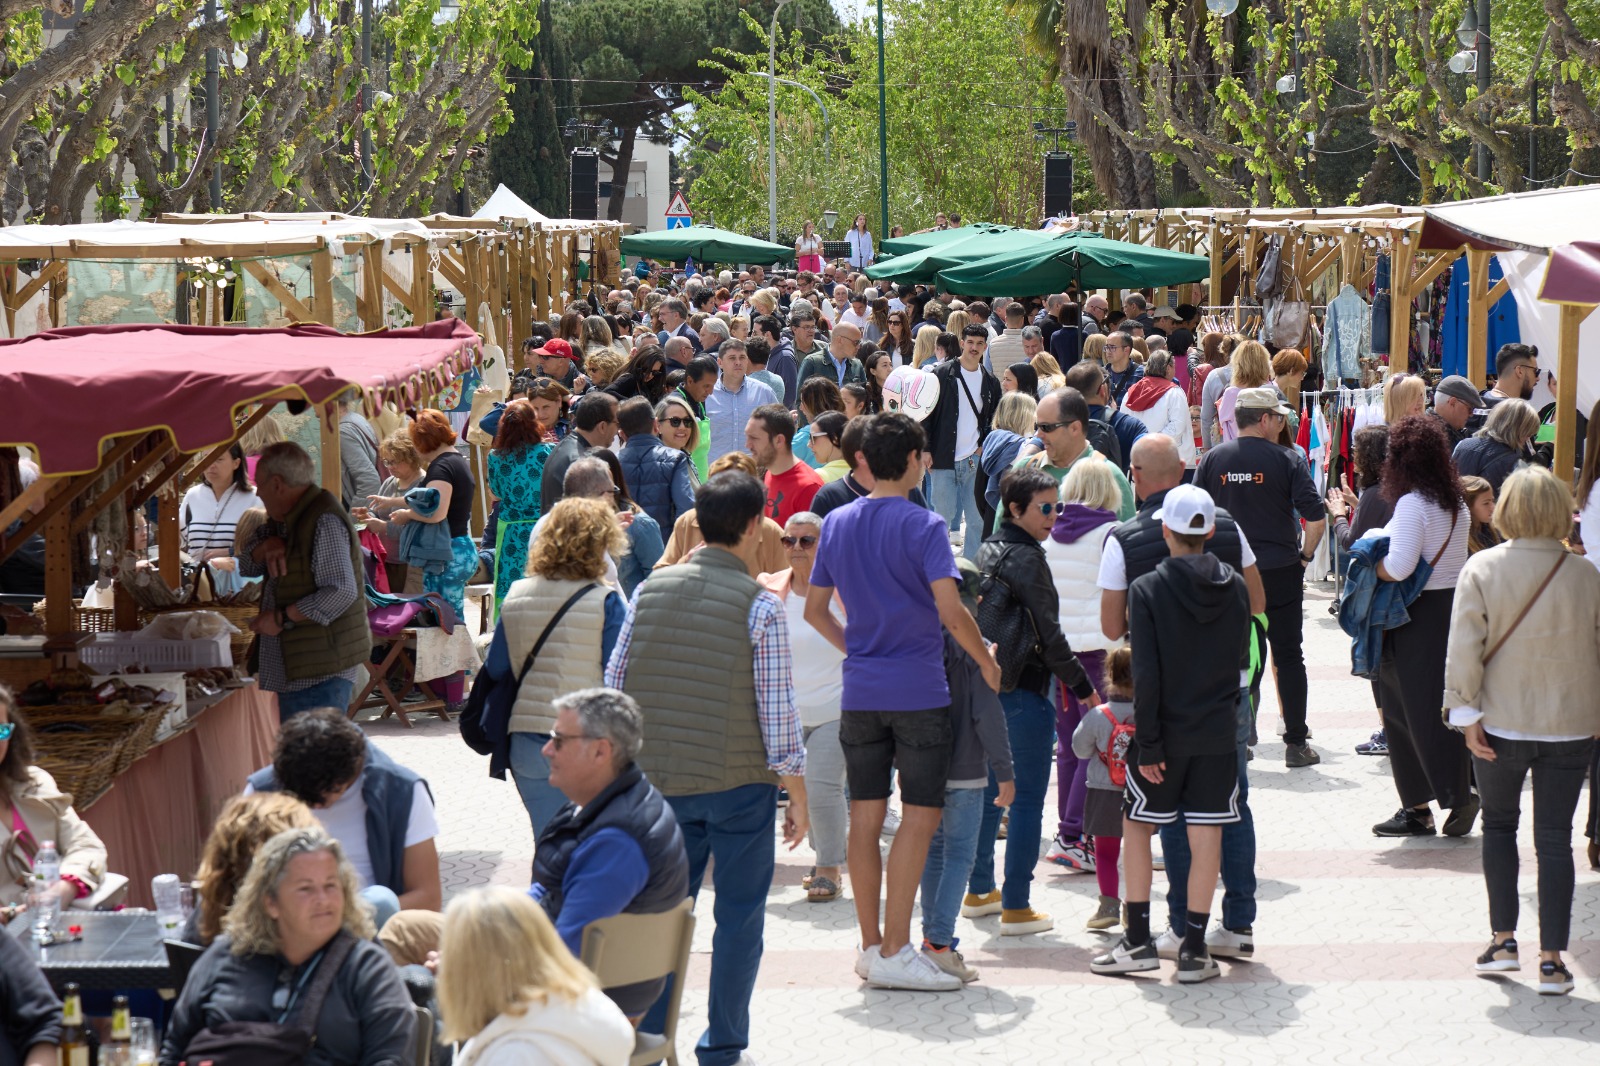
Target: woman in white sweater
[1520,680]
[512,991]
[1161,404]
[1090,497]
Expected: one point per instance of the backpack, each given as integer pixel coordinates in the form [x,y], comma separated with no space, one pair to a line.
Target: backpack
[1115,755]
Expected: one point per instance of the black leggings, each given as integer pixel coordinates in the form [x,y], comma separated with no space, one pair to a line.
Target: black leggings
[1428,758]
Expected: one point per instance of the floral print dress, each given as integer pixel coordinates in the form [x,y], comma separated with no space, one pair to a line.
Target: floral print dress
[514,479]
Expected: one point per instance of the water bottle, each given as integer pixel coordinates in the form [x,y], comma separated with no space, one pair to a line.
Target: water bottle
[168,894]
[44,901]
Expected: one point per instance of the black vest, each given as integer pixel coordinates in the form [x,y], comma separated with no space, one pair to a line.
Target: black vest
[631,804]
[1143,546]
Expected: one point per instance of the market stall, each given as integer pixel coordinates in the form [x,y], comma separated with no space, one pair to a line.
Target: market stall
[154,752]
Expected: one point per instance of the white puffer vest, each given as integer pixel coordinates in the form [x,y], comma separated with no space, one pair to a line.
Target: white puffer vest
[570,658]
[1075,568]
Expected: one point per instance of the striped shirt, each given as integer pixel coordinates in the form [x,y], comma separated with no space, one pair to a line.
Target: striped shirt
[206,523]
[775,708]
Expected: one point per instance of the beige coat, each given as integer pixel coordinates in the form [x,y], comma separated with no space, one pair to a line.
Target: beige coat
[48,814]
[1545,680]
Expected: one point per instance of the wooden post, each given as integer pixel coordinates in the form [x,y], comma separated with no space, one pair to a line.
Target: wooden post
[1216,249]
[1401,255]
[1572,316]
[58,574]
[521,295]
[328,422]
[372,285]
[322,285]
[166,534]
[421,284]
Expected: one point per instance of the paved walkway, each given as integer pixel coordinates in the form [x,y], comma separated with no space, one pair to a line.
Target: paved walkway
[1363,946]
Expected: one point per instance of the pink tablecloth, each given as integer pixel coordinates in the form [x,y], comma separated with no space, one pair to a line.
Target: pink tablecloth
[157,815]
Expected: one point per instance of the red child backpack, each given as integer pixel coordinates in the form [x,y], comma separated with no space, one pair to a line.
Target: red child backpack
[1115,755]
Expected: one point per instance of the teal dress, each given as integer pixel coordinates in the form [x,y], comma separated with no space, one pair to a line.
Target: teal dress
[514,479]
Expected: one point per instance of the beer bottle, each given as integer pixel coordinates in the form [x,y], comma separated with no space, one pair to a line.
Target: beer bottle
[74,1046]
[119,1052]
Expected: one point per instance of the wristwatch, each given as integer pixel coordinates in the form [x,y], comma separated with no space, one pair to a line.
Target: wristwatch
[284,621]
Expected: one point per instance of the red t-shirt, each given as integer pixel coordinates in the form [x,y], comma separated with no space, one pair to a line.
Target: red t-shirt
[791,492]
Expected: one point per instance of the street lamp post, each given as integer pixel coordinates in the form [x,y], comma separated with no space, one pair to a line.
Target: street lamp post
[883,135]
[1483,80]
[772,124]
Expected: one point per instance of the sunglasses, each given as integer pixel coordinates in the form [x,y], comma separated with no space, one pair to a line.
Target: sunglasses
[1051,508]
[1047,427]
[556,739]
[804,542]
[678,421]
[7,729]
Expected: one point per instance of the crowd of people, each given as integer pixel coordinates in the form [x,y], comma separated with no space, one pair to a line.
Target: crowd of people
[735,588]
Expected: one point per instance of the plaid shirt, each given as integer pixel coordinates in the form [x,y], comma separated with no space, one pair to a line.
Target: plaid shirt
[336,590]
[775,709]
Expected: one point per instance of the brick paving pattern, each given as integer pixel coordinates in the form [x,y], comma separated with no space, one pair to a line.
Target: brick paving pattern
[1363,946]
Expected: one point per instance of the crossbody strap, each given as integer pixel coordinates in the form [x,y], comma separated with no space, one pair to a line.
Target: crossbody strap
[1448,537]
[309,1007]
[533,653]
[1526,608]
[977,412]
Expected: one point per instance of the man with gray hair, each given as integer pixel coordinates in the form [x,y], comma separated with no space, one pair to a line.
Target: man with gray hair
[678,351]
[713,331]
[616,847]
[313,618]
[674,316]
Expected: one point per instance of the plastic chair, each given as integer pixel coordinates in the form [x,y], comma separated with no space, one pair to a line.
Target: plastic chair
[629,948]
[181,957]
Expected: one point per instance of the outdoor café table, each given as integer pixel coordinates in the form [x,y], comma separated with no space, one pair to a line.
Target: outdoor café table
[120,951]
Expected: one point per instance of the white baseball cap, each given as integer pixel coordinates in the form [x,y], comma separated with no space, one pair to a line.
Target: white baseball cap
[1187,509]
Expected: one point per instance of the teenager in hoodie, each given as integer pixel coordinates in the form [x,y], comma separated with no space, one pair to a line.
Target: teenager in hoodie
[1189,621]
[1159,402]
[1090,496]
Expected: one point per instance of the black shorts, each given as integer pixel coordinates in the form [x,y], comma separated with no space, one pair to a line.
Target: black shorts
[1202,788]
[915,742]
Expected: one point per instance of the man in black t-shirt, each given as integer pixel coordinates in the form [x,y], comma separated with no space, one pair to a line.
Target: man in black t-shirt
[1268,489]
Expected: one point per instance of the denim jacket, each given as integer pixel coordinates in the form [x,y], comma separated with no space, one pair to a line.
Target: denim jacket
[1371,605]
[425,544]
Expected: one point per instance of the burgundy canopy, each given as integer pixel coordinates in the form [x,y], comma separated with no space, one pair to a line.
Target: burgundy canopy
[67,391]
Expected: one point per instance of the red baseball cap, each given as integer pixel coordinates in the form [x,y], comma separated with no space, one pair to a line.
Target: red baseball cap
[556,348]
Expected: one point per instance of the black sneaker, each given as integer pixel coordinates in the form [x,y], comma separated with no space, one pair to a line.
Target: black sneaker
[1296,755]
[1554,979]
[1461,819]
[1126,958]
[1196,966]
[1499,958]
[1405,824]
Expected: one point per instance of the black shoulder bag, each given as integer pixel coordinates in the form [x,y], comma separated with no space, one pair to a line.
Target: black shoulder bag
[486,721]
[286,1042]
[1007,622]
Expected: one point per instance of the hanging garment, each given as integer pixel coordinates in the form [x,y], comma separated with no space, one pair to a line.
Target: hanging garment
[1380,306]
[1348,334]
[1502,325]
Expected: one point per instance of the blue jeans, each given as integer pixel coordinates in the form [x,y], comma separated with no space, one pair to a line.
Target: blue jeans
[950,855]
[952,493]
[531,771]
[1031,726]
[385,904]
[1238,852]
[334,692]
[735,828]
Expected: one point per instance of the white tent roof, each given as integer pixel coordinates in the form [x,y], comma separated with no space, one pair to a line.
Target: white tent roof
[45,242]
[1530,221]
[506,204]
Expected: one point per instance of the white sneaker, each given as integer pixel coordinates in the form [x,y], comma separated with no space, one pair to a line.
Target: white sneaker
[891,823]
[1167,945]
[864,957]
[1231,943]
[907,969]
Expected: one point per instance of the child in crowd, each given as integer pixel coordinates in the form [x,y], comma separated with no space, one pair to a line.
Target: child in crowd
[1104,732]
[1480,504]
[979,747]
[1189,624]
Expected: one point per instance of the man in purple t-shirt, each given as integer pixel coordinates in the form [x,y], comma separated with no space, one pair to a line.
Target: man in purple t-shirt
[891,563]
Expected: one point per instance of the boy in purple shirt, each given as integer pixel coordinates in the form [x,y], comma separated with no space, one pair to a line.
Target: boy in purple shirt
[891,563]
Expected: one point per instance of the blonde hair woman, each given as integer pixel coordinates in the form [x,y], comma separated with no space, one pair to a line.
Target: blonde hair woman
[1094,349]
[1496,450]
[1404,394]
[957,322]
[1013,424]
[602,365]
[1249,368]
[246,823]
[1050,376]
[925,348]
[297,911]
[535,1004]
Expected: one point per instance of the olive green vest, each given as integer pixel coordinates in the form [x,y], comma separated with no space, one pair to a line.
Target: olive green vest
[691,667]
[311,650]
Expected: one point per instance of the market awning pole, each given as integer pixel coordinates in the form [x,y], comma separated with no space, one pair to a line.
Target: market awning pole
[1572,316]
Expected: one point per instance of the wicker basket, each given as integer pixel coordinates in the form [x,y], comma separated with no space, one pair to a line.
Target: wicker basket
[83,764]
[85,619]
[130,737]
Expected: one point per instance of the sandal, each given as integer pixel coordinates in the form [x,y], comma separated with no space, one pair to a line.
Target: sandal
[822,890]
[805,882]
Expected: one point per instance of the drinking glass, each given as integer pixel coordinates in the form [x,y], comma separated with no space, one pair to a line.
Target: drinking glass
[144,1041]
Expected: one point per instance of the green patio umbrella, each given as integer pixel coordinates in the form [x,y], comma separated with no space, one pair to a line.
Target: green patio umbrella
[924,264]
[915,242]
[1093,261]
[705,244]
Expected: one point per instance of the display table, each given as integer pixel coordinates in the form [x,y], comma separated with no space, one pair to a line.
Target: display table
[119,951]
[157,815]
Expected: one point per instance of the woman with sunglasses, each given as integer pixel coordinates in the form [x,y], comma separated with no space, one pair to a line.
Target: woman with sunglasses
[678,428]
[818,671]
[1020,608]
[827,431]
[645,375]
[32,811]
[897,338]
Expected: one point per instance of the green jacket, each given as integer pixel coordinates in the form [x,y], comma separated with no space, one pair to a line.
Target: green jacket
[311,650]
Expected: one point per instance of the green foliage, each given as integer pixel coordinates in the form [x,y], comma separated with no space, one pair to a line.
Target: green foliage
[530,157]
[961,108]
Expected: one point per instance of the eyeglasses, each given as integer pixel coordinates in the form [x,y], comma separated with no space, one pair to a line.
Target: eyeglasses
[678,421]
[1051,508]
[1047,427]
[556,739]
[804,542]
[7,729]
